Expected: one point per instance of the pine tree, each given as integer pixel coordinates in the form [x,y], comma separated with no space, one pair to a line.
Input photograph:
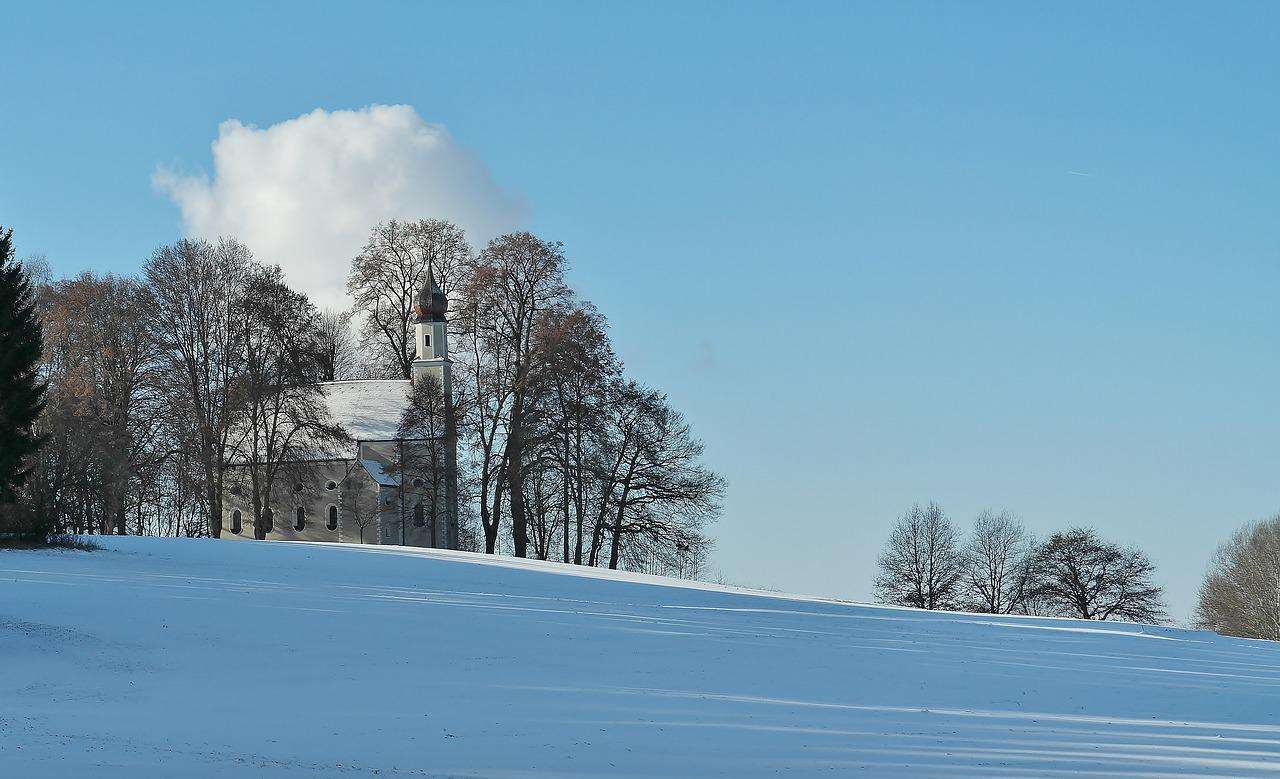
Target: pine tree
[21,391]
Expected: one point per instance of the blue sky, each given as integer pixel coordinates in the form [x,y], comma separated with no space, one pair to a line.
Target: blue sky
[992,256]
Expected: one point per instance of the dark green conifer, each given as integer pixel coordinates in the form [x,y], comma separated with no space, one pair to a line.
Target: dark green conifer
[21,391]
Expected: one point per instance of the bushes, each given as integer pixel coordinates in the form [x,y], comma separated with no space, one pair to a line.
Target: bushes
[21,524]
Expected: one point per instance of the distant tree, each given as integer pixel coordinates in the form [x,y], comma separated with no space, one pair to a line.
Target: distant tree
[388,273]
[997,564]
[921,564]
[1077,574]
[1240,595]
[21,390]
[338,354]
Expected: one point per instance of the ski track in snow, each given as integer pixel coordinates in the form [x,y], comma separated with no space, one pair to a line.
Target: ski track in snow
[198,658]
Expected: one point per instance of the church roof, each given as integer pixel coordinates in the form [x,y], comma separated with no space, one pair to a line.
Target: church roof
[369,409]
[378,472]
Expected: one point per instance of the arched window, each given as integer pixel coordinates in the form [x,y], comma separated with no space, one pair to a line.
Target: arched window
[333,517]
[235,521]
[418,520]
[269,520]
[300,519]
[333,485]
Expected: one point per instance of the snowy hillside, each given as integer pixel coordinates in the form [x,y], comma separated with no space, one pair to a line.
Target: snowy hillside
[203,658]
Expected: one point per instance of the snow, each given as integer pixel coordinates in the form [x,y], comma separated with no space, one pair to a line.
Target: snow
[200,658]
[379,474]
[370,410]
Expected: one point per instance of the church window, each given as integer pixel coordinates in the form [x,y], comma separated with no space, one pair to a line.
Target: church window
[333,517]
[300,519]
[418,520]
[426,339]
[333,485]
[235,521]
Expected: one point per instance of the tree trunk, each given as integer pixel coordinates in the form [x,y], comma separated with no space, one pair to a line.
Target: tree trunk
[615,546]
[495,518]
[579,502]
[515,481]
[564,480]
[215,507]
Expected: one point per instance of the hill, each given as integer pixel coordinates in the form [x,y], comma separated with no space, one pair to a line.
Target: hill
[198,658]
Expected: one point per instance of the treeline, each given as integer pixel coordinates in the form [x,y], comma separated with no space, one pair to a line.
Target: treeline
[156,383]
[999,568]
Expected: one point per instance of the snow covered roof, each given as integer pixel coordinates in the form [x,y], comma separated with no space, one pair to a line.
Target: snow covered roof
[378,471]
[370,409]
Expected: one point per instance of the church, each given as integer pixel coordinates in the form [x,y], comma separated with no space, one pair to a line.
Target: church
[362,498]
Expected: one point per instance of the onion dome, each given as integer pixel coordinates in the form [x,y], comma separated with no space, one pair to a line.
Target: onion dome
[432,303]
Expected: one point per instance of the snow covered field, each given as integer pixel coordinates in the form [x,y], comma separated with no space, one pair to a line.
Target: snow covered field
[190,658]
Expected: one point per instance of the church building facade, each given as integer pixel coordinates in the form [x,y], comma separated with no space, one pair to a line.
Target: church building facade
[364,498]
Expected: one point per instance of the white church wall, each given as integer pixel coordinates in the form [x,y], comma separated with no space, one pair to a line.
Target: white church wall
[315,498]
[358,520]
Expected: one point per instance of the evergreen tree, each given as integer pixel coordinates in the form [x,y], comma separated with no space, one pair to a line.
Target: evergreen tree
[21,391]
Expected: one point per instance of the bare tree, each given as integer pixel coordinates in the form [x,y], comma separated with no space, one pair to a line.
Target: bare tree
[286,420]
[126,369]
[110,438]
[1240,595]
[653,486]
[483,370]
[360,507]
[338,354]
[997,561]
[196,288]
[64,487]
[540,502]
[512,287]
[921,565]
[387,274]
[582,368]
[1077,574]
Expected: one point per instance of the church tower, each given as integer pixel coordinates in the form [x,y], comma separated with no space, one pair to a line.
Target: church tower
[432,338]
[433,360]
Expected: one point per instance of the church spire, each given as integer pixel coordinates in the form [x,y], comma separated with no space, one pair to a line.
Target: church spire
[432,303]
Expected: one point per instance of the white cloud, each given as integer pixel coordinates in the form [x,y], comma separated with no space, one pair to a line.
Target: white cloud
[305,193]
